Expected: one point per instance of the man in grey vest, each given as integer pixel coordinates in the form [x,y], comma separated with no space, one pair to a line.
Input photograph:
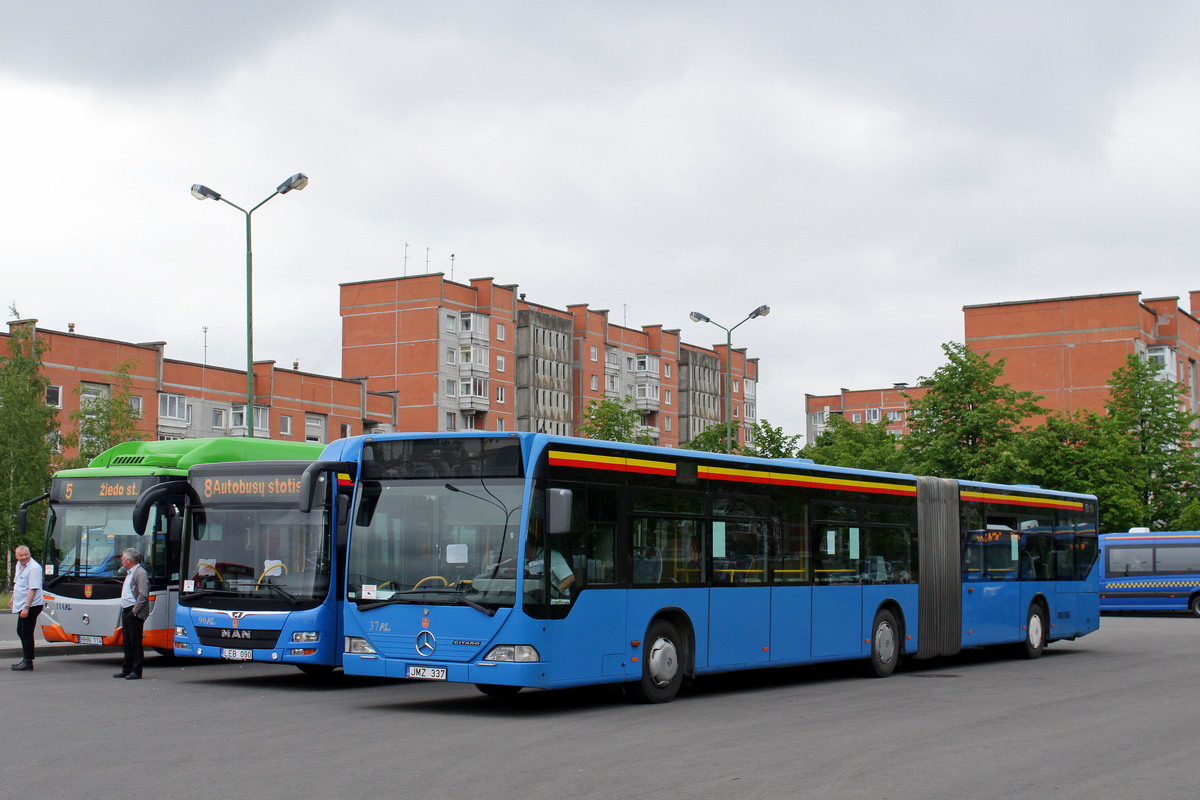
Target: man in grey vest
[135,607]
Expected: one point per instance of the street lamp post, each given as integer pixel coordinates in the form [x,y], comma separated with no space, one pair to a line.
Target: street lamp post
[696,316]
[201,192]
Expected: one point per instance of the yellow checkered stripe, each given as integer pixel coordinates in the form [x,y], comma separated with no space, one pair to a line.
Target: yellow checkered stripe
[1151,585]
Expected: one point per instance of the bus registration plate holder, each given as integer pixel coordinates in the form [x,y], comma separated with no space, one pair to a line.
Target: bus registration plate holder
[427,673]
[91,640]
[237,655]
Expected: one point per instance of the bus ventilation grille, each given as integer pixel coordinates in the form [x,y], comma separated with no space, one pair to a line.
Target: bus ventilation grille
[125,461]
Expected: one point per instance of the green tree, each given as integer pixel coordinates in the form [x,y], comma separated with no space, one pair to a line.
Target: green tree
[1147,407]
[612,421]
[712,439]
[102,421]
[28,431]
[769,442]
[869,446]
[967,424]
[1189,518]
[1084,452]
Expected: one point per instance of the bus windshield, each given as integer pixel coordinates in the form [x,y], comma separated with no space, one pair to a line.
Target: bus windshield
[267,552]
[436,542]
[86,541]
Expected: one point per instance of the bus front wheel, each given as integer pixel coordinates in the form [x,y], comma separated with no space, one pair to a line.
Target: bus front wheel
[1194,606]
[497,690]
[1035,632]
[885,643]
[662,663]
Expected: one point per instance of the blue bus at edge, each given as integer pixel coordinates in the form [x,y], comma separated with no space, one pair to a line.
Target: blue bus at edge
[1144,571]
[261,579]
[528,560]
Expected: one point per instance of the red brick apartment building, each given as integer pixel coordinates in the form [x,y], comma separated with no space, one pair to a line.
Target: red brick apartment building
[479,356]
[1063,348]
[184,400]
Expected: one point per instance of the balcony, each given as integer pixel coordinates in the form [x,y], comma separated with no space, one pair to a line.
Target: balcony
[470,404]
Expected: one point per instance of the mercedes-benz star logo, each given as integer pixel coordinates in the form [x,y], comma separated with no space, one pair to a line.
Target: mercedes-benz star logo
[426,643]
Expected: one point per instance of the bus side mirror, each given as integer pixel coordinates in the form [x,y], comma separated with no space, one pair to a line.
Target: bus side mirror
[343,518]
[558,511]
[313,479]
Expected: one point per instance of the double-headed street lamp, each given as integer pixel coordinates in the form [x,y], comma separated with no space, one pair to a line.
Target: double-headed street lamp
[201,192]
[696,316]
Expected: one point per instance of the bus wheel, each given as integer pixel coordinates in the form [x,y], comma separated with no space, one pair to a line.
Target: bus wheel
[1194,606]
[315,669]
[662,664]
[1035,632]
[165,653]
[497,690]
[885,643]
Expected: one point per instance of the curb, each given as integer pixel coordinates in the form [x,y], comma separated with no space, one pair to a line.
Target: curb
[44,649]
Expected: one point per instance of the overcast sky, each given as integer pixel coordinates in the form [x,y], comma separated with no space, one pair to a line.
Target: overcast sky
[865,168]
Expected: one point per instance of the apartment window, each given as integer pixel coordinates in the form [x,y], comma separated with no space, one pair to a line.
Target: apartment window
[856,417]
[219,417]
[469,422]
[895,416]
[54,396]
[872,415]
[135,403]
[595,384]
[346,431]
[667,423]
[451,356]
[610,383]
[629,363]
[501,334]
[172,406]
[749,388]
[816,418]
[735,387]
[666,370]
[451,388]
[735,409]
[473,387]
[451,323]
[467,322]
[472,355]
[595,353]
[285,425]
[668,397]
[647,391]
[499,394]
[499,423]
[501,363]
[451,419]
[749,410]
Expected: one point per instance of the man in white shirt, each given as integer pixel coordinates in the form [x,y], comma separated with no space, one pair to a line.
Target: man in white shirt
[27,603]
[135,607]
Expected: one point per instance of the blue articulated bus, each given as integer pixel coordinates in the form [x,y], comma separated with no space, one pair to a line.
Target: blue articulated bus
[1144,571]
[259,576]
[527,560]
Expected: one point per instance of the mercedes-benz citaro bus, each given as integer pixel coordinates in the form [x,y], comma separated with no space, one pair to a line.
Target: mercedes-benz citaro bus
[258,574]
[1144,571]
[89,524]
[527,560]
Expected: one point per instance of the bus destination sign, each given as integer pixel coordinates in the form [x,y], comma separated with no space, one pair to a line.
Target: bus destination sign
[97,490]
[242,488]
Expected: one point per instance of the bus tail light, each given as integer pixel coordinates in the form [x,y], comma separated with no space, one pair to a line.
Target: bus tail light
[524,653]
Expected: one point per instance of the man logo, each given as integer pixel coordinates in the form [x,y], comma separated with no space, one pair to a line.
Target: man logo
[426,643]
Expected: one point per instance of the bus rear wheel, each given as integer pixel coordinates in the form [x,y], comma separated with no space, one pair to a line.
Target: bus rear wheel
[1194,606]
[662,663]
[1035,632]
[885,643]
[497,690]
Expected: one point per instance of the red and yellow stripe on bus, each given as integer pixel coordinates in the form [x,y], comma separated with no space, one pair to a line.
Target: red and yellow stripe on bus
[1021,500]
[563,458]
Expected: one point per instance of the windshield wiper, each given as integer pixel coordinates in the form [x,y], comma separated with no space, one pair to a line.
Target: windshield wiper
[272,586]
[399,598]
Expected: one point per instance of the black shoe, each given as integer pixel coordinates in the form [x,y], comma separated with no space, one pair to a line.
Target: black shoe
[120,674]
[24,666]
[133,676]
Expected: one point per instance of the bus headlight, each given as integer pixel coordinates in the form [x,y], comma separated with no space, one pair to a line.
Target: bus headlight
[356,644]
[524,653]
[181,631]
[305,636]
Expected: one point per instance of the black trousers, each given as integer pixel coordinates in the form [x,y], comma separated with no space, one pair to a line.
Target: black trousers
[25,629]
[131,633]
